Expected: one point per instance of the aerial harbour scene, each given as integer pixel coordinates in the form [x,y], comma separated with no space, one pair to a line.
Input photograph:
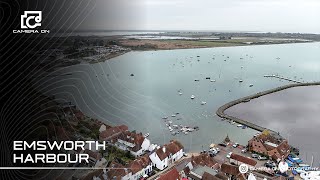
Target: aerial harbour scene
[163,90]
[176,94]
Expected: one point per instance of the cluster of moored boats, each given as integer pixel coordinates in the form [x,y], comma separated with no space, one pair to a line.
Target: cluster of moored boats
[192,97]
[234,123]
[174,128]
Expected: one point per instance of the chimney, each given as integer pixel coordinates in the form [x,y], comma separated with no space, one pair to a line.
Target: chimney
[164,149]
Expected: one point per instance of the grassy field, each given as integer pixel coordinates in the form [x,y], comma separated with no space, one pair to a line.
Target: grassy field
[174,44]
[206,43]
[153,44]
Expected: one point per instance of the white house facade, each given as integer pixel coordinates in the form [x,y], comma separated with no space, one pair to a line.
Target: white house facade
[167,154]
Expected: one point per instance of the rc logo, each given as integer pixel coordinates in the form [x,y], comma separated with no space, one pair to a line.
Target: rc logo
[29,21]
[36,16]
[28,16]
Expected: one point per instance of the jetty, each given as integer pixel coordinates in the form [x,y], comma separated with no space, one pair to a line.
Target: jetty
[221,110]
[283,78]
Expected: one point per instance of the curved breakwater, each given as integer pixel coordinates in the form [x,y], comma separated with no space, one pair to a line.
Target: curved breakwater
[221,110]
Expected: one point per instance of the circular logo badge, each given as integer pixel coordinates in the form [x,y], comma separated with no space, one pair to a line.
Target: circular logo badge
[243,168]
[283,167]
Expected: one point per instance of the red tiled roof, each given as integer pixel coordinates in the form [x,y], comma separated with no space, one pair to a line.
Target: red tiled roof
[61,134]
[145,160]
[220,175]
[171,175]
[110,132]
[172,148]
[95,155]
[139,164]
[230,169]
[116,171]
[283,148]
[268,147]
[79,115]
[135,167]
[203,160]
[132,137]
[123,127]
[161,154]
[275,157]
[243,159]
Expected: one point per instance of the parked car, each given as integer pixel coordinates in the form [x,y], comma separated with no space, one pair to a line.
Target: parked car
[300,170]
[222,144]
[269,165]
[213,152]
[235,145]
[229,155]
[244,150]
[271,162]
[294,172]
[255,155]
[262,158]
[290,164]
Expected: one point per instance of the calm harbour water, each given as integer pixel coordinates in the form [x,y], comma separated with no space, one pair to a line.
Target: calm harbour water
[107,91]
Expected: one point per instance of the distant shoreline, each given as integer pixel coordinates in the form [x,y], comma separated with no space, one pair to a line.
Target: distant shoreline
[174,44]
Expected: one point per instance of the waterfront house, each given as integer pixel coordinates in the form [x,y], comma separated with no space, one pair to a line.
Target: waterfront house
[111,133]
[136,143]
[135,170]
[140,167]
[237,159]
[269,145]
[117,171]
[167,154]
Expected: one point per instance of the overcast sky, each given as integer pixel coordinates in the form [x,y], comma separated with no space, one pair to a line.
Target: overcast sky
[215,15]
